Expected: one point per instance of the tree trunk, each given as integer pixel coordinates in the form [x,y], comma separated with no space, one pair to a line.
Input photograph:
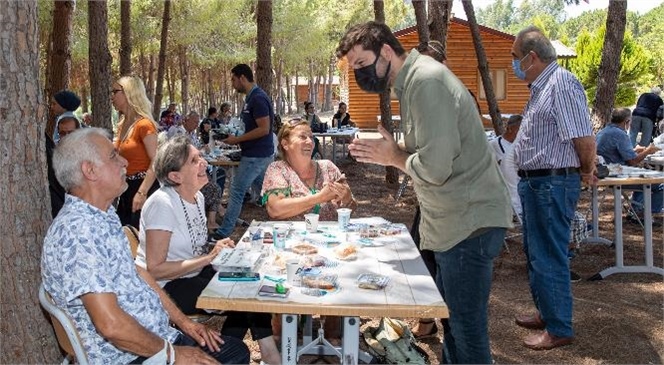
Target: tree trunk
[27,335]
[391,173]
[264,46]
[422,24]
[60,55]
[99,63]
[125,37]
[144,68]
[162,59]
[184,78]
[609,67]
[439,16]
[297,96]
[85,94]
[170,81]
[209,89]
[327,105]
[483,65]
[289,95]
[150,85]
[280,94]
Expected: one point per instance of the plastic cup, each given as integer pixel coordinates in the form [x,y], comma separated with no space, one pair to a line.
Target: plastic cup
[256,238]
[292,266]
[311,221]
[279,234]
[343,215]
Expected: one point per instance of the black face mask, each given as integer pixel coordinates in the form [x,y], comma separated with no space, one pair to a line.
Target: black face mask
[368,80]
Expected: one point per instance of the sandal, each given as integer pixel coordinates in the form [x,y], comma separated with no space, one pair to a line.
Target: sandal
[432,333]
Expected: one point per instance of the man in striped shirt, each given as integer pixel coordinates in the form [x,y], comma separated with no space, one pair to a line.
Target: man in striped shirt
[554,153]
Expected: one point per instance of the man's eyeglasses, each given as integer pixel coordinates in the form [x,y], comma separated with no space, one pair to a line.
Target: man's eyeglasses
[114,91]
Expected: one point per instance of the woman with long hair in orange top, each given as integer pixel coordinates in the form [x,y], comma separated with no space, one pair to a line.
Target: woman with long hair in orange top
[136,141]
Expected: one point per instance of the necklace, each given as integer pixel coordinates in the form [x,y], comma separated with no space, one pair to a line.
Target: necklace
[197,237]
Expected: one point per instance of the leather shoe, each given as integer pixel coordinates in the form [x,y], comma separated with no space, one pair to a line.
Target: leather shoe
[546,341]
[533,322]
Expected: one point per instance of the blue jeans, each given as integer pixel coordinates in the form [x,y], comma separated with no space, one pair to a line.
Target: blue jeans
[463,278]
[233,351]
[548,209]
[251,171]
[643,125]
[656,197]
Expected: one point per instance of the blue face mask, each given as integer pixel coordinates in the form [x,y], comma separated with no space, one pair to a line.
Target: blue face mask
[516,67]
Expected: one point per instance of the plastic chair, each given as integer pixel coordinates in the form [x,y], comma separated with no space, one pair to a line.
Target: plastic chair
[132,235]
[65,331]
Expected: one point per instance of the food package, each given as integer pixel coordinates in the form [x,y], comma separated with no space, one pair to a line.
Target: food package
[372,281]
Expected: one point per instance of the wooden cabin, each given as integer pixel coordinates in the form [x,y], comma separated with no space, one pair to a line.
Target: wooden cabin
[512,93]
[302,91]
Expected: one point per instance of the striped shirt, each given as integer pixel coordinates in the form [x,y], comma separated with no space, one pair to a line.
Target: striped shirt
[556,113]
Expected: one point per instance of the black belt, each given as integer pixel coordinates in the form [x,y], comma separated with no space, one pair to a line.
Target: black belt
[548,172]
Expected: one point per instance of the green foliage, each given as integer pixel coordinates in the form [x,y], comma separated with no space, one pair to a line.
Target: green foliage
[634,65]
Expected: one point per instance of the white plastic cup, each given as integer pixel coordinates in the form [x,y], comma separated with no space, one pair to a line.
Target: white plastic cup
[292,266]
[279,234]
[343,215]
[311,221]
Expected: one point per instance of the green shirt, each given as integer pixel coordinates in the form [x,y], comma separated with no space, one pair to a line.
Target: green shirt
[456,178]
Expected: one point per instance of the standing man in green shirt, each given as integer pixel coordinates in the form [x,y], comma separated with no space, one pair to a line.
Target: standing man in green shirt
[464,202]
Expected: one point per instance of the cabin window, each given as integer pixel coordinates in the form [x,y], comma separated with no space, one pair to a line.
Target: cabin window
[498,79]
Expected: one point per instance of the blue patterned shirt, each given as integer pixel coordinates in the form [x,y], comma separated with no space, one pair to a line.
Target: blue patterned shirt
[556,113]
[86,251]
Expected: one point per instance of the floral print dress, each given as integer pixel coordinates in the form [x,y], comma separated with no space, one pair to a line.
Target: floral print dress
[280,178]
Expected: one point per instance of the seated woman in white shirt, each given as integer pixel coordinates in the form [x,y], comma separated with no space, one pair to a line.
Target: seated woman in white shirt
[173,241]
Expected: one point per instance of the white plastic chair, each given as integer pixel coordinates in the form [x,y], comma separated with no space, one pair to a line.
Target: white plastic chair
[65,331]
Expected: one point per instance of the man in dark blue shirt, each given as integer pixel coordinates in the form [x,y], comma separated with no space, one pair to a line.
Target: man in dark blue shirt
[644,116]
[614,145]
[256,144]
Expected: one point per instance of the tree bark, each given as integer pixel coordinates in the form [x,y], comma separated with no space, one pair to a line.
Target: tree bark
[150,85]
[297,97]
[99,63]
[327,105]
[609,67]
[60,53]
[162,59]
[483,66]
[184,78]
[391,173]
[439,19]
[27,335]
[264,46]
[280,94]
[289,95]
[125,37]
[422,24]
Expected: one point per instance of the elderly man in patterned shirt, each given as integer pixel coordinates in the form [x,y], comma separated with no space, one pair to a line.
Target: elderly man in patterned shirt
[121,314]
[555,152]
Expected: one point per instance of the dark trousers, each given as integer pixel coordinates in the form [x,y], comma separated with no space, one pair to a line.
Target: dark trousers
[185,292]
[233,351]
[126,200]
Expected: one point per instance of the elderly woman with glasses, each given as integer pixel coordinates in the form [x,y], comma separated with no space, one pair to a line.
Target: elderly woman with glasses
[136,140]
[173,241]
[297,185]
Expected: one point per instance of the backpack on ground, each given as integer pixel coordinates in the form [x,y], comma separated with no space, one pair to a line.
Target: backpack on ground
[393,343]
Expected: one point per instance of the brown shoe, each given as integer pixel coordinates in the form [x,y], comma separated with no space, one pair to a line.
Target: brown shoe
[533,322]
[545,341]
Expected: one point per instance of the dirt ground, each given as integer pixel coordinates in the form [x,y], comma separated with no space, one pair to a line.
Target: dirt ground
[618,320]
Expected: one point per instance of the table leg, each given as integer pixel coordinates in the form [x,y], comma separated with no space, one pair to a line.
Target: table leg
[289,339]
[334,150]
[620,266]
[350,343]
[647,215]
[595,238]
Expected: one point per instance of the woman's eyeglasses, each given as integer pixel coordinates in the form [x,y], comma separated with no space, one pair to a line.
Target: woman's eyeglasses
[295,121]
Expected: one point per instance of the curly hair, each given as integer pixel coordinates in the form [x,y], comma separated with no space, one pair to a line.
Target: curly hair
[371,36]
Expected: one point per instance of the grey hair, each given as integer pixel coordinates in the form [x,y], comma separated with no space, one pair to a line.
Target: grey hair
[532,39]
[72,151]
[171,156]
